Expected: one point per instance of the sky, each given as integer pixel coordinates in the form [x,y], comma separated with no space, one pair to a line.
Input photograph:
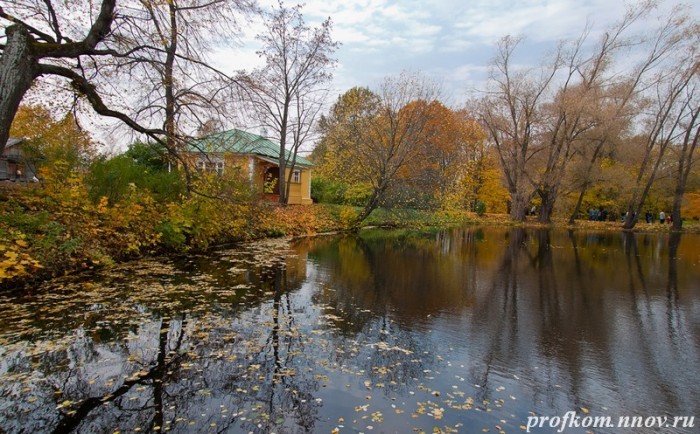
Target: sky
[449,41]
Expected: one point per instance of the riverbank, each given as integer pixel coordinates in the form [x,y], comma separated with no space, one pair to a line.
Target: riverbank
[397,323]
[49,232]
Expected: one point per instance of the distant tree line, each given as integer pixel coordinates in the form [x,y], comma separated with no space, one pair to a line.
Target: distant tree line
[586,128]
[606,122]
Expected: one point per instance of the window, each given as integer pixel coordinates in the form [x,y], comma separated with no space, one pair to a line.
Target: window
[220,167]
[210,165]
[296,176]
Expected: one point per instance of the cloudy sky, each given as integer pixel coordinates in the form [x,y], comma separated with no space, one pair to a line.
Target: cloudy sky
[451,41]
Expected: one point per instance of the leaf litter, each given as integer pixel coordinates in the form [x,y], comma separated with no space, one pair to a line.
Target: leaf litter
[230,336]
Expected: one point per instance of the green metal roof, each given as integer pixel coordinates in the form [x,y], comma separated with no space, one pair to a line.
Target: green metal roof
[243,142]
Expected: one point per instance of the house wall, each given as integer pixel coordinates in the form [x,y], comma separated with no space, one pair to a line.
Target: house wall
[13,159]
[299,193]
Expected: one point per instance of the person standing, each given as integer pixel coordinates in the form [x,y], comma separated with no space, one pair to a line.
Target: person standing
[662,217]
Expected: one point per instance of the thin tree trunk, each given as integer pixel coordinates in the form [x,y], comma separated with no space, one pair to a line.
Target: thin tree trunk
[18,69]
[586,183]
[579,202]
[168,80]
[685,163]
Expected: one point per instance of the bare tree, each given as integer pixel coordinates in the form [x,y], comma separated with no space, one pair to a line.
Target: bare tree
[587,110]
[538,122]
[574,107]
[38,44]
[287,93]
[669,98]
[512,115]
[166,66]
[167,46]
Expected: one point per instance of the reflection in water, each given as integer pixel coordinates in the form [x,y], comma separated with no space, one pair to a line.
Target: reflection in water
[460,330]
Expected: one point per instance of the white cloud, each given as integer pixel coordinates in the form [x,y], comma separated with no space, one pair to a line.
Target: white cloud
[451,40]
[539,20]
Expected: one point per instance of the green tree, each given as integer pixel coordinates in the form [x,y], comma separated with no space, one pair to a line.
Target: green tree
[139,168]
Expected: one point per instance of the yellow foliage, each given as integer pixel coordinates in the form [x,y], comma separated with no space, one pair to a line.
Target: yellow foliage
[348,217]
[48,140]
[14,261]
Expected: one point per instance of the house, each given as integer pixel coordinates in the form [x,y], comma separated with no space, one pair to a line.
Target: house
[257,157]
[13,163]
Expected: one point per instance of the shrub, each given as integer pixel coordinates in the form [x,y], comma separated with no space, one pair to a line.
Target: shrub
[324,191]
[112,178]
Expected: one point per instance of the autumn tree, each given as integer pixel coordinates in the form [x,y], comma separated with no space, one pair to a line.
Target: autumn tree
[511,114]
[579,100]
[49,39]
[335,170]
[374,136]
[539,119]
[589,107]
[48,140]
[287,93]
[449,159]
[670,104]
[144,63]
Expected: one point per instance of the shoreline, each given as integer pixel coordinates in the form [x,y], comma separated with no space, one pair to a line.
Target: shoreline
[329,224]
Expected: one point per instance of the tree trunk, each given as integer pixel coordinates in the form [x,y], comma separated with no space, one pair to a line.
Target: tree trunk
[676,211]
[169,82]
[632,216]
[577,208]
[546,210]
[372,203]
[685,164]
[282,161]
[519,207]
[18,69]
[587,182]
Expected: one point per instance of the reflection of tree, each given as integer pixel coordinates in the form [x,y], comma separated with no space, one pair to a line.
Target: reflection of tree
[536,312]
[381,287]
[155,376]
[160,369]
[501,314]
[288,396]
[672,297]
[404,276]
[380,309]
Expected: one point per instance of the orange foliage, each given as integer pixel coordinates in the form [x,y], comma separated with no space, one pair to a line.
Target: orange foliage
[691,206]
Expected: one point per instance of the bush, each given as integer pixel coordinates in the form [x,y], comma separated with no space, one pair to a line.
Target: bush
[113,178]
[480,208]
[324,191]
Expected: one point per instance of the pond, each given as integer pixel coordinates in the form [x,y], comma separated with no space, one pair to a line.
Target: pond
[478,329]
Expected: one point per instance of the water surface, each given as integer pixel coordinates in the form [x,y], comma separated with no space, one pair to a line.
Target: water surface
[466,330]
